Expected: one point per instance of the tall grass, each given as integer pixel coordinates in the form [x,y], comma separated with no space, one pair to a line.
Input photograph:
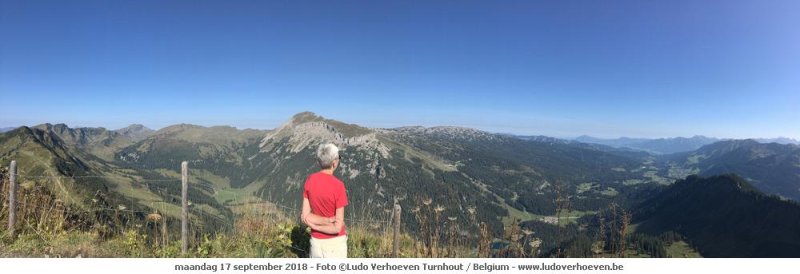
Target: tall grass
[49,227]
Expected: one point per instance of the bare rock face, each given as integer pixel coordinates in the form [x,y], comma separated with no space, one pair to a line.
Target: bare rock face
[448,132]
[306,129]
[300,136]
[369,142]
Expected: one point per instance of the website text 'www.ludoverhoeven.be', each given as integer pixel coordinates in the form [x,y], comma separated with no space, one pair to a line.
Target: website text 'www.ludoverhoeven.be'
[570,267]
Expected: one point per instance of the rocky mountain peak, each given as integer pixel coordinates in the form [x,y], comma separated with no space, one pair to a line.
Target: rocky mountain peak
[306,128]
[448,132]
[304,117]
[76,136]
[135,132]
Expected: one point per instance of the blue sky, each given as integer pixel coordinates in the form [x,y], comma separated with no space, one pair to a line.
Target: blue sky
[557,68]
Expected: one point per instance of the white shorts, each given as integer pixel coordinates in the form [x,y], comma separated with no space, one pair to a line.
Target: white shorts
[329,248]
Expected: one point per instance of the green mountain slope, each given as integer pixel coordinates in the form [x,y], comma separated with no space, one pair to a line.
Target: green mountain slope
[724,216]
[71,166]
[458,169]
[470,176]
[772,168]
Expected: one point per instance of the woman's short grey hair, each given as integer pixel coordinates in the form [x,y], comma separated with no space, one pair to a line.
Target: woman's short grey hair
[326,154]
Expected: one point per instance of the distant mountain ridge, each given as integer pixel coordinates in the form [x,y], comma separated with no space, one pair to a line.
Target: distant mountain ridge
[540,138]
[772,168]
[135,132]
[656,146]
[779,140]
[670,145]
[499,176]
[468,168]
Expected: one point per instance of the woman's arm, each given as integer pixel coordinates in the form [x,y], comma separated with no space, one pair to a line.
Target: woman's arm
[339,219]
[316,222]
[334,226]
[305,211]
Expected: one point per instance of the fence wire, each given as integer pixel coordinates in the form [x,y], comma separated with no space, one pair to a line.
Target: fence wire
[292,213]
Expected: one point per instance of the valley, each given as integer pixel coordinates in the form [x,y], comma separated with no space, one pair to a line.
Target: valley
[559,189]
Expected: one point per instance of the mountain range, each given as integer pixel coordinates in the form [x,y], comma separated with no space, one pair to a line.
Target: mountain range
[762,164]
[722,216]
[468,173]
[670,145]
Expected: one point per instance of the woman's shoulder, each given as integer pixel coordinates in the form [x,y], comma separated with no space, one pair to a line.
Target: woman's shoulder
[322,176]
[335,179]
[338,181]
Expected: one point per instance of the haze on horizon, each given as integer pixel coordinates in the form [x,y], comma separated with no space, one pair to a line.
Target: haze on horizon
[725,69]
[409,125]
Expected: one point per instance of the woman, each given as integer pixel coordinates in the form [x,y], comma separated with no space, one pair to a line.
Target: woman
[324,200]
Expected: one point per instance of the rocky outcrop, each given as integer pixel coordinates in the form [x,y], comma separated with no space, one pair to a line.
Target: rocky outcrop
[298,134]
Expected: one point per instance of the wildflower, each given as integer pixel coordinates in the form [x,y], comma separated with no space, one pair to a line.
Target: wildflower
[527,231]
[427,201]
[153,217]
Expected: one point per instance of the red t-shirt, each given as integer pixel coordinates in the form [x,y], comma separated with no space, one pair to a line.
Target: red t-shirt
[325,194]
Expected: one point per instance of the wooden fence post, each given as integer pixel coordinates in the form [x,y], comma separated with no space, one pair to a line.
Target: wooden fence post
[483,242]
[396,234]
[164,236]
[12,197]
[185,207]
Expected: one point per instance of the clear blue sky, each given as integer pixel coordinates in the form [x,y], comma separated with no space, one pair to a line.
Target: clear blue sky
[559,68]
